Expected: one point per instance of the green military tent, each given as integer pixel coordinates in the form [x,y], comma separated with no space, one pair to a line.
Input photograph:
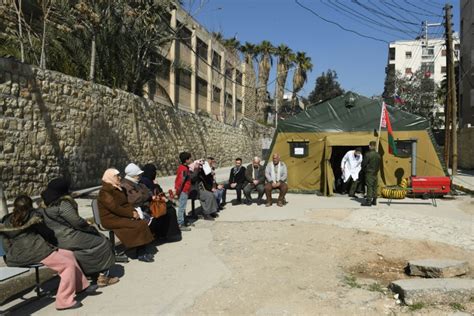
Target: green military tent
[312,143]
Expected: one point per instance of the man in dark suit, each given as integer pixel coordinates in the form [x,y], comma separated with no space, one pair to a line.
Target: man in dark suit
[236,181]
[255,177]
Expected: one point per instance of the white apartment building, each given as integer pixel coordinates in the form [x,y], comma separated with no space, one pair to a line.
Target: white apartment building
[410,56]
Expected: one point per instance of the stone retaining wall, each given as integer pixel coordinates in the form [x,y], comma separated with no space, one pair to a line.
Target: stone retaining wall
[52,125]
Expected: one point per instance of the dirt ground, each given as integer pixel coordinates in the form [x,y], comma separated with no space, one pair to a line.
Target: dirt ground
[293,267]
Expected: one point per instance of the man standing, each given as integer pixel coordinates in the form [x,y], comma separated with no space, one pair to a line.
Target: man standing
[182,185]
[276,174]
[255,176]
[236,181]
[350,167]
[371,166]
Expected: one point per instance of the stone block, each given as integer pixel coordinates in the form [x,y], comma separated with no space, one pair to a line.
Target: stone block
[437,268]
[434,291]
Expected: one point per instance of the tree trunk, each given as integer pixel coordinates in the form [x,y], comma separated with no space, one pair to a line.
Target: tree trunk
[43,41]
[3,202]
[20,30]
[93,54]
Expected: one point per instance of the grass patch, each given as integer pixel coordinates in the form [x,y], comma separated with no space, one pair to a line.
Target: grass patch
[416,306]
[457,306]
[351,281]
[376,287]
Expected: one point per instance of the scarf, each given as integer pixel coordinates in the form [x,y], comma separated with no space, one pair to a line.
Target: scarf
[131,179]
[110,178]
[275,177]
[254,173]
[236,169]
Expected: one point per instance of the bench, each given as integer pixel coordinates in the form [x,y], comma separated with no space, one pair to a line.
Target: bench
[95,211]
[11,272]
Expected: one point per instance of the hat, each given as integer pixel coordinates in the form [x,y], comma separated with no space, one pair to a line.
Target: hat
[133,170]
[56,188]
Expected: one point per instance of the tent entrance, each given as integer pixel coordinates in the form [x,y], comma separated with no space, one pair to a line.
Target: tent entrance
[337,154]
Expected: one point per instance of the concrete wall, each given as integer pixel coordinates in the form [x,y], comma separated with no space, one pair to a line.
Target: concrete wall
[52,125]
[466,148]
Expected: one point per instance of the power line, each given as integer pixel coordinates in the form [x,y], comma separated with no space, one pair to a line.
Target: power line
[422,9]
[382,13]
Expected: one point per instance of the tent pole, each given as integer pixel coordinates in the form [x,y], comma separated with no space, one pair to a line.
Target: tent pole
[380,128]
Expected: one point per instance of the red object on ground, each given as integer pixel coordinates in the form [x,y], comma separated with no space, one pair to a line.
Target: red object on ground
[431,185]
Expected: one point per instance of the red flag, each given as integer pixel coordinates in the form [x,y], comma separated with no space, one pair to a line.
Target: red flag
[385,123]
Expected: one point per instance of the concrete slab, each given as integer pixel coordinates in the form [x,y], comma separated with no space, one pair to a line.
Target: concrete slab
[434,291]
[437,268]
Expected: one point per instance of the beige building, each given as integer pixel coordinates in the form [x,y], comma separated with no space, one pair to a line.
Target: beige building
[201,76]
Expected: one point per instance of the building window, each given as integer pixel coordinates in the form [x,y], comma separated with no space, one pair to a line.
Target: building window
[164,69]
[228,99]
[238,77]
[202,49]
[408,55]
[427,67]
[443,69]
[183,78]
[216,94]
[443,52]
[427,51]
[228,70]
[216,60]
[238,105]
[184,34]
[457,47]
[391,53]
[201,87]
[408,71]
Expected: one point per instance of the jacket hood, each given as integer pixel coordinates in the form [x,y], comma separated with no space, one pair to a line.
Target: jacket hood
[6,225]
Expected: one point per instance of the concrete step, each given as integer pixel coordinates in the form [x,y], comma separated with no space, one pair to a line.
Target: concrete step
[437,268]
[434,291]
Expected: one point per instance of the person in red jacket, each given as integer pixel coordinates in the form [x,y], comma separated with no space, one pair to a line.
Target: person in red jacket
[182,185]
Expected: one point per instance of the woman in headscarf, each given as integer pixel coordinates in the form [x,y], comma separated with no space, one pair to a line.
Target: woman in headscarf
[140,195]
[27,241]
[119,216]
[72,232]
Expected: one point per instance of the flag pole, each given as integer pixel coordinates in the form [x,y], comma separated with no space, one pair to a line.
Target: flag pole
[380,127]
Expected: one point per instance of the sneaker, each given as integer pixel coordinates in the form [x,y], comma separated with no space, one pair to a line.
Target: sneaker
[215,215]
[268,204]
[184,228]
[145,258]
[280,203]
[104,281]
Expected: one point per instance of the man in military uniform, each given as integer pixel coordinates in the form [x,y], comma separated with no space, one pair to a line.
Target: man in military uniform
[371,166]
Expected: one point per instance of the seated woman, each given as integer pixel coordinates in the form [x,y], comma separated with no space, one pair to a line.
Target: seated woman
[72,232]
[25,243]
[139,195]
[120,216]
[206,197]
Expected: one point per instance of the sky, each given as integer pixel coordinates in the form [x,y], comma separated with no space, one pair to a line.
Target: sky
[359,62]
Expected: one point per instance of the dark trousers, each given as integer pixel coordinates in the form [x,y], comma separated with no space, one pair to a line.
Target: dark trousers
[352,185]
[283,188]
[238,189]
[250,187]
[371,182]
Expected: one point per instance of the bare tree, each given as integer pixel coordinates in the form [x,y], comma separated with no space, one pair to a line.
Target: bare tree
[20,29]
[46,6]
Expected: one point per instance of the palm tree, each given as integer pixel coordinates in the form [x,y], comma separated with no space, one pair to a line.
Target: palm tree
[265,50]
[249,51]
[285,61]
[303,66]
[231,44]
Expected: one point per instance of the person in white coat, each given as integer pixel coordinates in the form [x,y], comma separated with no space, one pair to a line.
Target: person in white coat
[350,166]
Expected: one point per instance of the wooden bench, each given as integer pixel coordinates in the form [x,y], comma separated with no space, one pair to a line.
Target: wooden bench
[11,272]
[95,211]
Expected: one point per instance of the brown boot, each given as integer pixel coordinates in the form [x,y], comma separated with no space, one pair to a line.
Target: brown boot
[104,281]
[269,203]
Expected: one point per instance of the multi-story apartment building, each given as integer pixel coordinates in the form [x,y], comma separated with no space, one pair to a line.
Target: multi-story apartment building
[200,75]
[429,56]
[466,73]
[408,56]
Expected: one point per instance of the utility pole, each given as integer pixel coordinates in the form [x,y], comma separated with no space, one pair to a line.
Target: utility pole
[451,98]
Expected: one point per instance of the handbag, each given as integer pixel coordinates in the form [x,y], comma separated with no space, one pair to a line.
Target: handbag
[158,207]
